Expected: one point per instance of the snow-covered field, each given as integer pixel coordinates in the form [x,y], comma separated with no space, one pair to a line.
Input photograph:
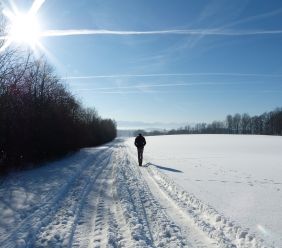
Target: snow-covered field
[239,176]
[193,191]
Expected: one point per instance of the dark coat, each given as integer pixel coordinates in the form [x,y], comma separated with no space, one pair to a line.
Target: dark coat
[140,141]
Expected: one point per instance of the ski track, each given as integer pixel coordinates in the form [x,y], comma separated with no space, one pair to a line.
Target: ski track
[111,202]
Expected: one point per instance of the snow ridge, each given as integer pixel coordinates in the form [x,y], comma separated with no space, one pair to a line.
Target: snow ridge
[225,232]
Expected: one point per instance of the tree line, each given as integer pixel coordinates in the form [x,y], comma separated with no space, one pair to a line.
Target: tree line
[269,123]
[39,117]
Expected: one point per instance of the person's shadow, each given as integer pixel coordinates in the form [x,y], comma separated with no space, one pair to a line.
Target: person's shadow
[162,167]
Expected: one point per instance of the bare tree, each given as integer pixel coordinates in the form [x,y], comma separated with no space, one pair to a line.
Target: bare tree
[229,123]
[236,123]
[245,124]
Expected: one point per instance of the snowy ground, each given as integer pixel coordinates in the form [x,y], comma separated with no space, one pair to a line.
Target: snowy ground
[99,197]
[239,176]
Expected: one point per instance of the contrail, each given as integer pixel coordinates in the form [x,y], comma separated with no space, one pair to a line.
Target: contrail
[147,86]
[214,32]
[144,86]
[205,32]
[173,74]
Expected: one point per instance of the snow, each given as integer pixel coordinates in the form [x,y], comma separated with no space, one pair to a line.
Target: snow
[238,176]
[187,194]
[94,198]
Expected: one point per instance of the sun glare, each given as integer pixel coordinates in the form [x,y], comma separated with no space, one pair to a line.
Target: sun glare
[24,28]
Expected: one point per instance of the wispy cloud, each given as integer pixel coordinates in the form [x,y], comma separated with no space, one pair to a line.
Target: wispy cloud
[213,10]
[254,18]
[213,32]
[143,86]
[173,75]
[117,92]
[146,87]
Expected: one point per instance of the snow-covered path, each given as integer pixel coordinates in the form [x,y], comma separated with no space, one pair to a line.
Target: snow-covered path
[194,236]
[99,197]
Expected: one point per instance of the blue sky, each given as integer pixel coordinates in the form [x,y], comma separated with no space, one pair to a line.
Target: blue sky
[230,65]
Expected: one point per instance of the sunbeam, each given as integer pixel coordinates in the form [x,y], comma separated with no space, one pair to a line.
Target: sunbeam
[36,6]
[6,44]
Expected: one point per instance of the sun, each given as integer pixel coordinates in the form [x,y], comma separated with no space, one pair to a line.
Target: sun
[24,28]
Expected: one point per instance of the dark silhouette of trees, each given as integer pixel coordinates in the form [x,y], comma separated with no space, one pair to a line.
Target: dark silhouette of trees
[269,123]
[39,118]
[246,124]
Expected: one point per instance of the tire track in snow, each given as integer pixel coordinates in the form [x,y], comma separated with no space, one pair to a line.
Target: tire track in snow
[101,221]
[99,229]
[105,203]
[92,225]
[110,202]
[56,228]
[119,231]
[130,204]
[25,233]
[150,224]
[99,184]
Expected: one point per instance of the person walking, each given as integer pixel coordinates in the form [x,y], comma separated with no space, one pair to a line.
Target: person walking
[140,142]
